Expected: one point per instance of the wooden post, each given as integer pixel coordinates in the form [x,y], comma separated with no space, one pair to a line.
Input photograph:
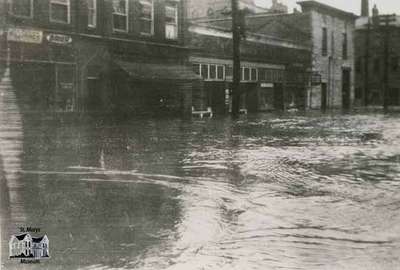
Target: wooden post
[236,36]
[366,64]
[386,20]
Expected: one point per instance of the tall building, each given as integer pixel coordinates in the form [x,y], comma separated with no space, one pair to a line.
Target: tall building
[97,55]
[331,33]
[370,61]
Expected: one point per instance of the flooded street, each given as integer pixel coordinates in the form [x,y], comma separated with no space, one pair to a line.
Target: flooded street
[267,191]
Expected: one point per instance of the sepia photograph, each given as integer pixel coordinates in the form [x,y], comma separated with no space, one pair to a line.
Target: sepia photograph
[199,134]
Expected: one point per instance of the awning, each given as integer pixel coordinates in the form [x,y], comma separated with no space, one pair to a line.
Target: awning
[146,71]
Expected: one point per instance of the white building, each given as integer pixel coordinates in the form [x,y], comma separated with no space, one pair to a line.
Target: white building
[24,245]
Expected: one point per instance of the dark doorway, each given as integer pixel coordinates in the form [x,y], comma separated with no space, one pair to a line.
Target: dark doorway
[324,96]
[94,98]
[346,88]
[279,97]
[251,97]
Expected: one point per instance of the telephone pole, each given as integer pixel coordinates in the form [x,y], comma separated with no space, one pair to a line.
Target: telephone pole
[366,64]
[236,36]
[386,20]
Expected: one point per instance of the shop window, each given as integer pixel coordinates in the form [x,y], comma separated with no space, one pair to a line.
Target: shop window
[261,74]
[246,74]
[220,72]
[228,71]
[60,11]
[324,41]
[204,71]
[92,13]
[196,68]
[146,17]
[120,15]
[268,75]
[213,72]
[253,74]
[22,8]
[171,21]
[345,47]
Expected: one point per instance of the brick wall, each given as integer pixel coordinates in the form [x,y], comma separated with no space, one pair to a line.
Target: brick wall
[330,66]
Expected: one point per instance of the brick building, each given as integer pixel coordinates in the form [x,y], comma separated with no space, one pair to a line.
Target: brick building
[275,60]
[98,55]
[369,60]
[331,32]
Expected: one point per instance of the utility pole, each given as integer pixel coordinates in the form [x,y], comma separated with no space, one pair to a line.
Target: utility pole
[366,64]
[386,20]
[236,36]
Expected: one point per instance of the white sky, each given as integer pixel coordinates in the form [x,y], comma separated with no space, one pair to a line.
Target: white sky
[384,6]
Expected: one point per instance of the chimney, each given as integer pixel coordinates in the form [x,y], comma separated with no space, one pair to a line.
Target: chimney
[365,8]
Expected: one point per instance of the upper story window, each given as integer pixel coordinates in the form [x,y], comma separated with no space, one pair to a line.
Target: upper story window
[345,45]
[120,15]
[249,74]
[146,17]
[92,13]
[60,11]
[22,8]
[210,71]
[324,41]
[171,20]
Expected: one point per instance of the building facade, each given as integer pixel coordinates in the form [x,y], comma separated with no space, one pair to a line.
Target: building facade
[98,55]
[370,68]
[331,32]
[275,60]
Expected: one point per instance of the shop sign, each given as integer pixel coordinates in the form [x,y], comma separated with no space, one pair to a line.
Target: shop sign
[267,85]
[66,86]
[59,39]
[25,35]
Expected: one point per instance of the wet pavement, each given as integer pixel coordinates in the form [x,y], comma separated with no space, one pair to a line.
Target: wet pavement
[267,191]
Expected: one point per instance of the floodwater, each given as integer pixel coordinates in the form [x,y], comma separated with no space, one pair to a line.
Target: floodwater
[267,191]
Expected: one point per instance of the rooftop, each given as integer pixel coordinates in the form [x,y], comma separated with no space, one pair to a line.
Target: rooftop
[323,8]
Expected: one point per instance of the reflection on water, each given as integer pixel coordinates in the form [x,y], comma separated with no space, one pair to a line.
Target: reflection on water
[262,192]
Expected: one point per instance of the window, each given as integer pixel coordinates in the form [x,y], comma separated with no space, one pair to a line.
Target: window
[146,17]
[171,21]
[22,8]
[92,13]
[120,15]
[324,42]
[228,71]
[60,11]
[220,72]
[196,68]
[204,71]
[213,72]
[261,74]
[246,74]
[210,72]
[344,50]
[253,74]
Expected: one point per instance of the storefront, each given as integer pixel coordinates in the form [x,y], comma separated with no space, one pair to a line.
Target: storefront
[151,88]
[43,69]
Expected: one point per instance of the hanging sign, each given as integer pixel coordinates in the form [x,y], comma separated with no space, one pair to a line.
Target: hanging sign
[24,35]
[59,39]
